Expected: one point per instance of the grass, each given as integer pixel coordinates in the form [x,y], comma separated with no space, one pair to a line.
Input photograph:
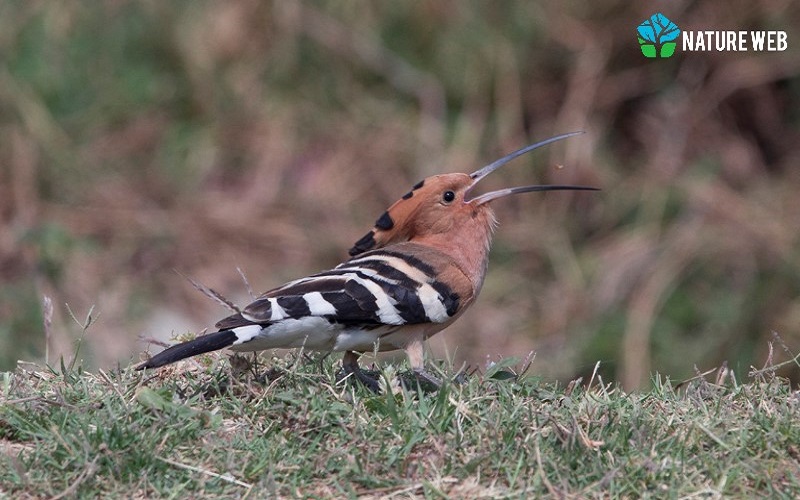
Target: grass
[215,429]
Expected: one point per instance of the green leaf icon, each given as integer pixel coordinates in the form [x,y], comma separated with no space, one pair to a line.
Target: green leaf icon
[657,35]
[648,49]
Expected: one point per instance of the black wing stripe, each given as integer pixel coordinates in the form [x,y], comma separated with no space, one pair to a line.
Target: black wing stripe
[258,311]
[294,305]
[362,296]
[449,297]
[389,272]
[408,305]
[350,312]
[232,322]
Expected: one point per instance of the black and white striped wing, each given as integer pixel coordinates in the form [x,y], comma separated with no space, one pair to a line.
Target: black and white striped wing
[378,288]
[347,308]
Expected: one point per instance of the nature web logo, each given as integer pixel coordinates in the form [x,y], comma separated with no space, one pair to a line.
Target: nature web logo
[657,36]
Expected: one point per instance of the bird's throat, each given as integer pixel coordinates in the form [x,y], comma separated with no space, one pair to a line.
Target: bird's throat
[467,243]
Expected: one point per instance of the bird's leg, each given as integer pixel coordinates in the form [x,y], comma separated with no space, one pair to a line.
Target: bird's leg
[321,359]
[350,368]
[416,356]
[463,375]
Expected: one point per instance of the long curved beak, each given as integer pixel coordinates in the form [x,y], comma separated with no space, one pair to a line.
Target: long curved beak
[488,169]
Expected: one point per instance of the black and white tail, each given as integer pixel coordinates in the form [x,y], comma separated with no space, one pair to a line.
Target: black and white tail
[200,345]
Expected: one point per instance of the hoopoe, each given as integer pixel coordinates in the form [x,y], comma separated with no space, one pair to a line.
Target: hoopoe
[410,277]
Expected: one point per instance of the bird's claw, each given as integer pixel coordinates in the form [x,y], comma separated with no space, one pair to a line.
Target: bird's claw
[461,378]
[368,378]
[419,377]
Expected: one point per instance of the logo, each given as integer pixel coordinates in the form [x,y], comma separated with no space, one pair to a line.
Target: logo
[657,36]
[658,39]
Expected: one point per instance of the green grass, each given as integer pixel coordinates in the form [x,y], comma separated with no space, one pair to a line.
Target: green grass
[288,429]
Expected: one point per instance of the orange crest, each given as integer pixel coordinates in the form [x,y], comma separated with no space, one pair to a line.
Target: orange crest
[428,200]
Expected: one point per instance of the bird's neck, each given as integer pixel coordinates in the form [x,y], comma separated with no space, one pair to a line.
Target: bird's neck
[467,242]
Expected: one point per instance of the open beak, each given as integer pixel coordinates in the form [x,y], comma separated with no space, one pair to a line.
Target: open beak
[488,169]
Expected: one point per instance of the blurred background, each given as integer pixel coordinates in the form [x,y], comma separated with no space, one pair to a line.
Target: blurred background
[141,138]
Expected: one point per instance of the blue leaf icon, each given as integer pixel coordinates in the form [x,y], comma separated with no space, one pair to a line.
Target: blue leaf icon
[658,29]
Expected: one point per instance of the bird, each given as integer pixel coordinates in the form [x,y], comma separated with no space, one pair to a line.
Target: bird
[411,276]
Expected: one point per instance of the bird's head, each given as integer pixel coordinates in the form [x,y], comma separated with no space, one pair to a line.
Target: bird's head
[440,203]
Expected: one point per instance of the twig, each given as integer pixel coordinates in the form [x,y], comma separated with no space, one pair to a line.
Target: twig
[594,373]
[571,386]
[246,283]
[154,341]
[224,477]
[526,364]
[212,294]
[699,376]
[722,374]
[770,355]
[47,313]
[89,321]
[768,366]
[783,344]
[795,360]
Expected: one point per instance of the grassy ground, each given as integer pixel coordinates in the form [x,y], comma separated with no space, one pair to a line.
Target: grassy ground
[204,429]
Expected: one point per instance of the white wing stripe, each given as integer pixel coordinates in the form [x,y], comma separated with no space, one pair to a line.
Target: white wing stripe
[387,313]
[278,313]
[317,305]
[246,333]
[435,309]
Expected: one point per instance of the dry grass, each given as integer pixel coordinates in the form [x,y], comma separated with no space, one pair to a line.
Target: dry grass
[200,430]
[142,137]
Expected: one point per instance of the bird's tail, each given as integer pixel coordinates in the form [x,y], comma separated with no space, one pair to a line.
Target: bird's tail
[206,343]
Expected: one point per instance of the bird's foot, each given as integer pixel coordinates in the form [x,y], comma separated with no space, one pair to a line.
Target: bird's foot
[461,377]
[420,377]
[368,378]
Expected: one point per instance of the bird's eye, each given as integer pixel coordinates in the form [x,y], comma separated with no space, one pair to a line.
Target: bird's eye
[448,196]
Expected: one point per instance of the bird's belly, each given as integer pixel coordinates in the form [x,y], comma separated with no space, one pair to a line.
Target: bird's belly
[317,334]
[383,338]
[313,333]
[365,339]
